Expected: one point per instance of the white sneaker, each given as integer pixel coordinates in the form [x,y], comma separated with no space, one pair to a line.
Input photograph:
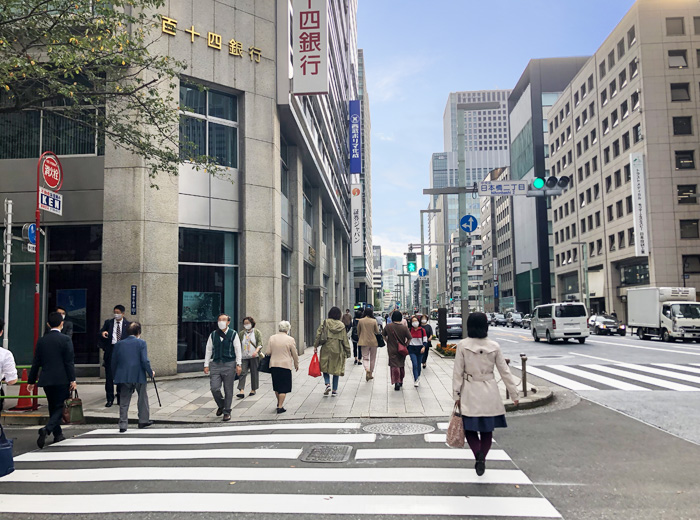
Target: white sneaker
[416,382]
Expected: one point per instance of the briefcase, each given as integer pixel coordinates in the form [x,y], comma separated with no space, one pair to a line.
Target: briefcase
[73,410]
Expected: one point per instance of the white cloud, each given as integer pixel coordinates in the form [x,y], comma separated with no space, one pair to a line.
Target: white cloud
[383,137]
[390,81]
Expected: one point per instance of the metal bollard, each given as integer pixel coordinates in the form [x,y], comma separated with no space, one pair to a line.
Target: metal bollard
[507,393]
[523,359]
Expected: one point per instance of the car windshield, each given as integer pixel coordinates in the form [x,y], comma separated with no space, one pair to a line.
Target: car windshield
[607,318]
[499,316]
[516,316]
[571,311]
[686,310]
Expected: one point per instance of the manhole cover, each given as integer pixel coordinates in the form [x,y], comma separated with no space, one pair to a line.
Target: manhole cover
[399,428]
[330,453]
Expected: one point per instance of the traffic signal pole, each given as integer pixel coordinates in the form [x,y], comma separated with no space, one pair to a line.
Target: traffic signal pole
[464,257]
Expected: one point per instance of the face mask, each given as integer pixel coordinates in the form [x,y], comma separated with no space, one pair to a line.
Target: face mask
[415,323]
[117,316]
[424,321]
[247,326]
[223,325]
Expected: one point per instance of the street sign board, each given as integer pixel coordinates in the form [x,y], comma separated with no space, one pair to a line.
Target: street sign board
[422,272]
[29,248]
[29,233]
[50,201]
[468,223]
[51,171]
[502,188]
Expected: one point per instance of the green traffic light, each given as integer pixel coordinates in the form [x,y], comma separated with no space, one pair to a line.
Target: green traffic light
[411,267]
[538,183]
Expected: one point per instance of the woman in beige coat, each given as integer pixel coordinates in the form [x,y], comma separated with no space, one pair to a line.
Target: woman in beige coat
[476,390]
[367,330]
[283,357]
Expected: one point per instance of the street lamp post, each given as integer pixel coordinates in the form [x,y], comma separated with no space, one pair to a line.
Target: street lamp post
[422,260]
[532,287]
[584,257]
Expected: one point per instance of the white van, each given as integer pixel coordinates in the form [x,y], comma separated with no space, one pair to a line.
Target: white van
[560,321]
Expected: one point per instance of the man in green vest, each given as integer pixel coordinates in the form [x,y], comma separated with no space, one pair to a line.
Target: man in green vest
[224,353]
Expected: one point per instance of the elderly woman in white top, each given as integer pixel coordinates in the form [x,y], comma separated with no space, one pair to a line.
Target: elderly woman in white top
[283,357]
[251,345]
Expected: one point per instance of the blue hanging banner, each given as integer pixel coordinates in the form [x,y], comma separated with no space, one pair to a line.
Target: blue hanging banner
[355,137]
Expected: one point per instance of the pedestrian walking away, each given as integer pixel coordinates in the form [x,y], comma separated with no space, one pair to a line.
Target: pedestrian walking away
[8,368]
[251,345]
[417,347]
[131,368]
[332,338]
[222,361]
[113,331]
[395,334]
[475,388]
[282,350]
[54,356]
[367,330]
[429,332]
[356,350]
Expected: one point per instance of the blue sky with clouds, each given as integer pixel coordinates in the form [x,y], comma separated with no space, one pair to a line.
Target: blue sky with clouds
[418,51]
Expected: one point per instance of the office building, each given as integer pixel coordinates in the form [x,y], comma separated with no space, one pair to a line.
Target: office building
[625,132]
[377,273]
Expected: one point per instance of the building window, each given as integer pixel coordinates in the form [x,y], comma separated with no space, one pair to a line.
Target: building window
[209,125]
[631,37]
[576,99]
[611,242]
[608,184]
[578,123]
[597,219]
[286,284]
[606,126]
[621,239]
[614,118]
[687,194]
[622,78]
[677,59]
[583,225]
[683,125]
[696,24]
[610,213]
[594,136]
[626,141]
[675,27]
[596,191]
[634,274]
[620,49]
[603,97]
[635,100]
[619,210]
[628,173]
[599,246]
[594,162]
[588,196]
[613,88]
[624,110]
[628,202]
[634,68]
[689,228]
[606,155]
[637,133]
[601,69]
[680,91]
[591,108]
[591,249]
[685,159]
[618,178]
[611,60]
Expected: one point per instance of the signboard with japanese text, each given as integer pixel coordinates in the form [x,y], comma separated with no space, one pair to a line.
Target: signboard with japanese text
[356,220]
[502,188]
[310,47]
[639,204]
[355,137]
[50,201]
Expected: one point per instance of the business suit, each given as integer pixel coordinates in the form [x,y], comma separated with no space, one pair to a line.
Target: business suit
[107,344]
[67,329]
[54,356]
[130,365]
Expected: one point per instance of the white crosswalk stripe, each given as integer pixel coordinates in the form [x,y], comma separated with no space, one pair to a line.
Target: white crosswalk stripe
[587,377]
[183,476]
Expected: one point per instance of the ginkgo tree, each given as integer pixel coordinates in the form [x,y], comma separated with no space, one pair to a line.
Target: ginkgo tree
[93,66]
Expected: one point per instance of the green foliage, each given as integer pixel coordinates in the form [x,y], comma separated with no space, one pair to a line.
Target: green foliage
[68,55]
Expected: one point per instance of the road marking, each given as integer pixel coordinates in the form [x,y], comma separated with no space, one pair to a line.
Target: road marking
[247,474]
[425,453]
[645,348]
[664,373]
[56,456]
[410,505]
[229,429]
[644,379]
[620,385]
[222,439]
[509,340]
[559,380]
[678,367]
[435,437]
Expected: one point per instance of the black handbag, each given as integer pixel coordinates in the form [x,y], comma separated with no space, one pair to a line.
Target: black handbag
[7,465]
[380,341]
[264,365]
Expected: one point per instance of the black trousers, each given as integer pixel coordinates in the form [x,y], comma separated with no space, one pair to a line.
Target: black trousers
[56,395]
[109,378]
[425,354]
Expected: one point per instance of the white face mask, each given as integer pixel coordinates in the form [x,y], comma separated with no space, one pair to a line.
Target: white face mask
[223,324]
[118,316]
[247,326]
[424,321]
[415,323]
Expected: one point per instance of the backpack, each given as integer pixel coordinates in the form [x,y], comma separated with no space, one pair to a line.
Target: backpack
[354,335]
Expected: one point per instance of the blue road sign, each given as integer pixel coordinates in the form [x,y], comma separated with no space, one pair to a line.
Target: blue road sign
[422,272]
[468,223]
[31,232]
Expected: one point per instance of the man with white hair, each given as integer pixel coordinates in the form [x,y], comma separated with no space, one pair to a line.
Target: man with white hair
[282,350]
[224,352]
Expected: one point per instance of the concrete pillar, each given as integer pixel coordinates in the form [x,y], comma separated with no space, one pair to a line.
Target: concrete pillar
[296,199]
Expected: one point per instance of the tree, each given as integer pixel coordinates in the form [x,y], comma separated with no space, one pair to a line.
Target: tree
[89,70]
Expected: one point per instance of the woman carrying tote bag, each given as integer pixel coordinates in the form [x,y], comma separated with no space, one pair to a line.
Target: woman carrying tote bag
[397,336]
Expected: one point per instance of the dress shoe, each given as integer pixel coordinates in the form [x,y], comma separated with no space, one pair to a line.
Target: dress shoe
[480,465]
[42,438]
[145,425]
[397,386]
[241,395]
[219,411]
[108,404]
[227,417]
[58,438]
[122,430]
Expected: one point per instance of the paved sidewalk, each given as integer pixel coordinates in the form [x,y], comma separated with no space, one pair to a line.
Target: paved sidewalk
[188,399]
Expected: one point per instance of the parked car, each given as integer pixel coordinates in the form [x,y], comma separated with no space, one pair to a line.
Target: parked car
[514,319]
[454,326]
[560,321]
[527,321]
[489,316]
[498,319]
[606,324]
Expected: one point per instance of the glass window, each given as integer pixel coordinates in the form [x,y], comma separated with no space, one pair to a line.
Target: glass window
[623,78]
[687,194]
[689,228]
[611,242]
[628,202]
[631,37]
[678,59]
[637,133]
[619,210]
[683,125]
[696,24]
[286,284]
[634,68]
[611,60]
[675,27]
[571,311]
[630,236]
[680,91]
[75,243]
[621,239]
[613,88]
[620,48]
[601,69]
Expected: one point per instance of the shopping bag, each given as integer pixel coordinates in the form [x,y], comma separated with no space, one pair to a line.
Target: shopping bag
[455,431]
[73,410]
[7,464]
[315,366]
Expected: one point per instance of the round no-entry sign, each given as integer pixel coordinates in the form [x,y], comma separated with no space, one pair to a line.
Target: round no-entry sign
[51,170]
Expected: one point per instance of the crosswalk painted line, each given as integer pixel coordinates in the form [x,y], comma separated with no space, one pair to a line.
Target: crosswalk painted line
[425,453]
[254,453]
[670,385]
[683,368]
[620,385]
[410,505]
[664,373]
[435,437]
[221,439]
[559,380]
[232,429]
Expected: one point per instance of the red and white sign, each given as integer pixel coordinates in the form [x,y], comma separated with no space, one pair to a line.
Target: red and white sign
[52,171]
[310,47]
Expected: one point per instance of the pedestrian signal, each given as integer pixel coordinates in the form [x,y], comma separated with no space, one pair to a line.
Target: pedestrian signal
[412,266]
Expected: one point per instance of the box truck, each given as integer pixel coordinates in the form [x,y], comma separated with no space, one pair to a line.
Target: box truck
[670,313]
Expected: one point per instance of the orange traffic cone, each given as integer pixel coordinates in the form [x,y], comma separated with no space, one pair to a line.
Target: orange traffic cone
[23,403]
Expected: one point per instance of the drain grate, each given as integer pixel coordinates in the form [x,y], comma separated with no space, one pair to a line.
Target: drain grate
[399,428]
[327,453]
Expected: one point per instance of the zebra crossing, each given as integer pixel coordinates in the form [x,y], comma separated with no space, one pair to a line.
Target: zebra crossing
[622,376]
[258,470]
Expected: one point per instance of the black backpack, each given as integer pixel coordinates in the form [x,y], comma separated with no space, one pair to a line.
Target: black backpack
[354,335]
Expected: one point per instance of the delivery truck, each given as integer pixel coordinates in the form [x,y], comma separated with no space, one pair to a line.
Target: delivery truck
[670,313]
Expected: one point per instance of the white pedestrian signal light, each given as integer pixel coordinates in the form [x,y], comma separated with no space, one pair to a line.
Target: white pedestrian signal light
[548,186]
[412,266]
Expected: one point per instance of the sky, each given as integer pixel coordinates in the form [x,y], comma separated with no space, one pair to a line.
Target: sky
[418,51]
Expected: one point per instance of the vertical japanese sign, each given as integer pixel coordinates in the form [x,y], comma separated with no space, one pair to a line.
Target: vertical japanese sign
[639,204]
[356,220]
[355,129]
[310,47]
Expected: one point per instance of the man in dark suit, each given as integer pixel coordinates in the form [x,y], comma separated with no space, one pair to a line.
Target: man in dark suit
[130,366]
[67,325]
[54,356]
[113,331]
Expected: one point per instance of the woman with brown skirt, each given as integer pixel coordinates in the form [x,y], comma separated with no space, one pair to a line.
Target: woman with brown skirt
[395,333]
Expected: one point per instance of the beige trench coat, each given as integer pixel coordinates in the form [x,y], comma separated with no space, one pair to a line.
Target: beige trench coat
[474,382]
